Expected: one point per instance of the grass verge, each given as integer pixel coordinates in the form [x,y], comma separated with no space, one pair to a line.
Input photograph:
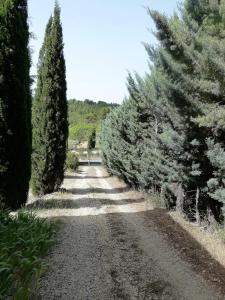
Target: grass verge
[24,241]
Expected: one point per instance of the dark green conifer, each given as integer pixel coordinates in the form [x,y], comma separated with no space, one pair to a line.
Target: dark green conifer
[15,103]
[50,126]
[92,140]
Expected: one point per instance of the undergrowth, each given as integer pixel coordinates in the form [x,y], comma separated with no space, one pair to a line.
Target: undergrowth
[24,241]
[155,199]
[72,161]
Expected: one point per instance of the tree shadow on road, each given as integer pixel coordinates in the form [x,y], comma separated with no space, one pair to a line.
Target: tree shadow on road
[85,177]
[79,203]
[98,191]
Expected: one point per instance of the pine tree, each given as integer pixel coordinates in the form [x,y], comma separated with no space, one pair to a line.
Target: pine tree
[50,126]
[15,104]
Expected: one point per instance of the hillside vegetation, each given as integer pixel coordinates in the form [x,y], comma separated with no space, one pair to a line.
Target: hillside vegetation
[85,116]
[168,136]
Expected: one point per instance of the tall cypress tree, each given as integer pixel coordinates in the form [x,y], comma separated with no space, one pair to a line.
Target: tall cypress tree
[50,126]
[15,104]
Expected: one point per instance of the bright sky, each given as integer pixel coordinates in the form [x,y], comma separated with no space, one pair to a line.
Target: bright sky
[102,42]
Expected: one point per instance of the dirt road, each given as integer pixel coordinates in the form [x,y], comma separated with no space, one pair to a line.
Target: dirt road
[109,246]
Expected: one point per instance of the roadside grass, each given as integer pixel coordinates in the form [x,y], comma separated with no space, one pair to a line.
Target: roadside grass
[72,161]
[221,234]
[154,199]
[24,241]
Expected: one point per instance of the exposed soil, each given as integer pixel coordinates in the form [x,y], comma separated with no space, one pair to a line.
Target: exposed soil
[113,245]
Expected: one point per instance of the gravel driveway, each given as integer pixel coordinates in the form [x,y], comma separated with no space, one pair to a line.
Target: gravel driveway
[108,247]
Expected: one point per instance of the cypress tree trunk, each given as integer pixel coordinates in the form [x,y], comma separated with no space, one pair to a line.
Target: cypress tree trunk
[50,126]
[15,104]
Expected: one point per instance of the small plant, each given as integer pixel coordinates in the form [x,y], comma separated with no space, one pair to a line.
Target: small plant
[72,161]
[25,240]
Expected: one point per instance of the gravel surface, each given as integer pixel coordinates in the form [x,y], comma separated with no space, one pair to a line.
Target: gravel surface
[108,249]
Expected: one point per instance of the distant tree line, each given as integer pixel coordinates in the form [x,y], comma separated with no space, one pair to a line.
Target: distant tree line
[49,113]
[85,117]
[169,134]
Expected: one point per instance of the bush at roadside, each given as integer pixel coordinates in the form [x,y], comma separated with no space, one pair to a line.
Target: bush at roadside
[24,241]
[72,161]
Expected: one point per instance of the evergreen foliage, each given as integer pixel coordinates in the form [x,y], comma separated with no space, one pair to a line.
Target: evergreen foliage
[50,125]
[15,104]
[168,136]
[92,140]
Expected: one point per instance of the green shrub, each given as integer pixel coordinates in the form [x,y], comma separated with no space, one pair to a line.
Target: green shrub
[25,240]
[72,161]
